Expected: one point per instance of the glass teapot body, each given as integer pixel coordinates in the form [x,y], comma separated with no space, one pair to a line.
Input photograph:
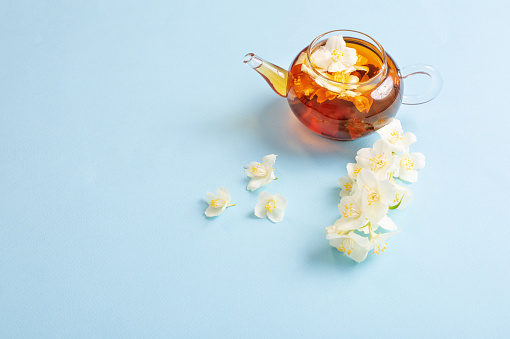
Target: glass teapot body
[343,103]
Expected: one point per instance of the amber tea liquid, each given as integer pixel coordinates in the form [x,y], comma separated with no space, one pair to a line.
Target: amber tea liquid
[354,110]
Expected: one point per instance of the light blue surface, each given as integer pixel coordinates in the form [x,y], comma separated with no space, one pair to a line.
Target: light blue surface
[116,118]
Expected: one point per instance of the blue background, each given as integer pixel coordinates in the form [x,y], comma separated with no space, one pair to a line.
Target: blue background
[117,117]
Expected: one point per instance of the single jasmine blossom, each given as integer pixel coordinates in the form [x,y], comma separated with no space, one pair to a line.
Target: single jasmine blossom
[335,56]
[409,164]
[260,173]
[218,202]
[271,206]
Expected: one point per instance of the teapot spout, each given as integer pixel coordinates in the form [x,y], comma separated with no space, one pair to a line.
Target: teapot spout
[276,77]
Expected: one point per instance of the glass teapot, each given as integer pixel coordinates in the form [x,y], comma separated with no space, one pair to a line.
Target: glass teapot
[344,85]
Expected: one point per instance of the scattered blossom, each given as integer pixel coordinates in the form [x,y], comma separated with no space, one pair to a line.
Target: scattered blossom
[271,206]
[370,191]
[260,173]
[218,202]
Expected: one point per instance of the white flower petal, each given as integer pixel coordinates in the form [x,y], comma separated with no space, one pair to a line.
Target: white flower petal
[336,67]
[251,169]
[268,161]
[367,178]
[349,57]
[375,212]
[348,224]
[264,197]
[353,170]
[214,211]
[335,42]
[321,58]
[280,201]
[276,215]
[409,176]
[224,194]
[255,183]
[419,160]
[408,139]
[386,191]
[210,197]
[387,224]
[260,210]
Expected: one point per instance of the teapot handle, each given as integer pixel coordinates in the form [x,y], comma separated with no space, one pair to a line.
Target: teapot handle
[431,93]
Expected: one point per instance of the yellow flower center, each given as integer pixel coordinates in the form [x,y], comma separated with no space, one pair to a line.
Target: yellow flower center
[346,247]
[337,55]
[372,195]
[258,170]
[347,186]
[379,248]
[357,170]
[214,203]
[349,211]
[396,136]
[379,161]
[270,206]
[407,163]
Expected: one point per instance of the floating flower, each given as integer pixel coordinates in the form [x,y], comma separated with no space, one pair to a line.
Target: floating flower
[353,210]
[394,135]
[335,56]
[362,103]
[271,206]
[347,185]
[352,244]
[409,164]
[379,159]
[218,202]
[260,173]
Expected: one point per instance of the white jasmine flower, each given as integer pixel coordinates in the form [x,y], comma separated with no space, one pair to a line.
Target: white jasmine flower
[335,56]
[394,135]
[347,185]
[403,196]
[379,195]
[353,170]
[271,206]
[218,202]
[409,164]
[379,159]
[352,244]
[260,173]
[353,211]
